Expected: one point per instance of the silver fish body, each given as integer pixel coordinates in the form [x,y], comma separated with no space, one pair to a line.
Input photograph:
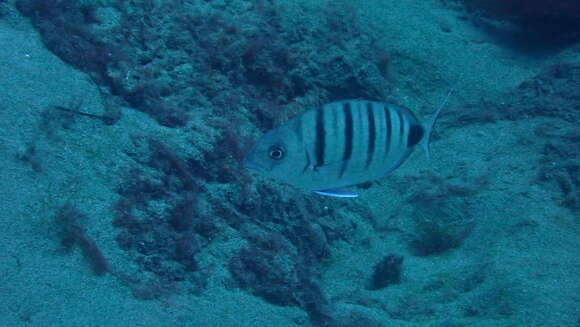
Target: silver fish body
[339,144]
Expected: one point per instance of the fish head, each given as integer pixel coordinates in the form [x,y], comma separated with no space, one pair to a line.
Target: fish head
[278,154]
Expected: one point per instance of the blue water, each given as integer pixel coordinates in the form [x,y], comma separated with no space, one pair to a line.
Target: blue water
[124,125]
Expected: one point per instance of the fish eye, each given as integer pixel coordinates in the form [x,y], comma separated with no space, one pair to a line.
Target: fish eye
[276,152]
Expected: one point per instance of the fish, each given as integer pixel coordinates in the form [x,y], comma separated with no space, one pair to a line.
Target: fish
[332,148]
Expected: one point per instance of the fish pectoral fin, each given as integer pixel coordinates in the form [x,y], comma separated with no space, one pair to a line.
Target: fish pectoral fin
[338,193]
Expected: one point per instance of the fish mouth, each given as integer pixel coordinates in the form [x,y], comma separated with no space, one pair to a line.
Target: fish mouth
[250,165]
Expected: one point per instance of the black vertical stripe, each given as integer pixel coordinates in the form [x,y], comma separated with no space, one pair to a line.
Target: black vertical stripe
[372,133]
[348,137]
[307,165]
[389,128]
[320,141]
[347,109]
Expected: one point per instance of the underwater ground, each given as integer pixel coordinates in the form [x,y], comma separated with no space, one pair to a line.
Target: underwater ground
[124,202]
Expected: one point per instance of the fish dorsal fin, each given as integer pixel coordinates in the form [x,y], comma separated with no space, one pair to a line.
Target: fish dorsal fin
[338,193]
[426,142]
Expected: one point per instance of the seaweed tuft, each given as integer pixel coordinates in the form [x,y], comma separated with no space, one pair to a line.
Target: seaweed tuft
[71,233]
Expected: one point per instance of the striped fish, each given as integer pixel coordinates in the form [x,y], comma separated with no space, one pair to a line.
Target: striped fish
[340,144]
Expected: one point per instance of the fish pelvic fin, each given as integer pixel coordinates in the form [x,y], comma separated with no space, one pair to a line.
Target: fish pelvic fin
[338,193]
[429,126]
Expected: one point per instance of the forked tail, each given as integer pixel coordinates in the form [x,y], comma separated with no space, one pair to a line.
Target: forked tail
[426,142]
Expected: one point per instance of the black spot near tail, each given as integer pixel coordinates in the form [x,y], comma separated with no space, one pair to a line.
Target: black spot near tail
[416,133]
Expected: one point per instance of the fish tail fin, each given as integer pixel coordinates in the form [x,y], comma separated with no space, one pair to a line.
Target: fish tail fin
[426,142]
